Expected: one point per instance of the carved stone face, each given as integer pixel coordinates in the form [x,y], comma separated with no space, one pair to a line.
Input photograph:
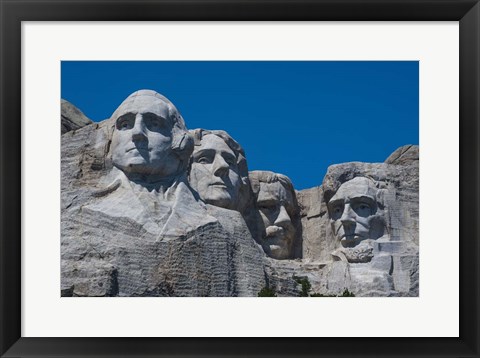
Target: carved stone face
[353,212]
[214,173]
[142,137]
[275,205]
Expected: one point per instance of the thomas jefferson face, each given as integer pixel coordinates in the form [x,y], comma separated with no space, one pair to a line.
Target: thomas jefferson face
[214,172]
[275,205]
[351,212]
[142,138]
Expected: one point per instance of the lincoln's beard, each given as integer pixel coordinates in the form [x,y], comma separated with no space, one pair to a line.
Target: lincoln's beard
[361,253]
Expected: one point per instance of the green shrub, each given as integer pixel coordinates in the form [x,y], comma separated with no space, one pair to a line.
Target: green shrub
[347,293]
[267,292]
[306,286]
[321,295]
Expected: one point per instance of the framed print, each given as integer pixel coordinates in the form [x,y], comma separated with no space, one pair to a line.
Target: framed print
[139,235]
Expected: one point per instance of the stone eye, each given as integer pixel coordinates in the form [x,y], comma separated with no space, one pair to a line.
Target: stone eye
[203,160]
[336,211]
[362,209]
[266,208]
[152,121]
[124,124]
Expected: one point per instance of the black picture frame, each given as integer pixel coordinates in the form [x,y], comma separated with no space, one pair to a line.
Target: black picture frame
[13,12]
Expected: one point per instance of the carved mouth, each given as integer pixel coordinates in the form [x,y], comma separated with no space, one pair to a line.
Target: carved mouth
[273,231]
[138,149]
[351,236]
[351,240]
[219,185]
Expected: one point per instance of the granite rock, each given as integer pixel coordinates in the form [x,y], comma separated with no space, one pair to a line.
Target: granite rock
[131,224]
[386,263]
[149,208]
[72,118]
[404,155]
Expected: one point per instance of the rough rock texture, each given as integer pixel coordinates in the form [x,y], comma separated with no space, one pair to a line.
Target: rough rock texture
[387,266]
[312,211]
[404,155]
[109,248]
[103,257]
[72,118]
[132,225]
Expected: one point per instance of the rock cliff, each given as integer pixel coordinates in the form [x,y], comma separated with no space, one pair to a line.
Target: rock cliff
[72,118]
[149,208]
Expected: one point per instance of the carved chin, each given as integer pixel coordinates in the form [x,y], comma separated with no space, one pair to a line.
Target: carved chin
[278,240]
[279,250]
[221,198]
[135,165]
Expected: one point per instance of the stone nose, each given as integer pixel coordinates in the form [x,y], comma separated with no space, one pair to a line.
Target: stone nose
[348,216]
[220,166]
[283,218]
[138,130]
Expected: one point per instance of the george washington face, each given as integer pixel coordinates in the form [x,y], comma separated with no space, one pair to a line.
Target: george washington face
[142,137]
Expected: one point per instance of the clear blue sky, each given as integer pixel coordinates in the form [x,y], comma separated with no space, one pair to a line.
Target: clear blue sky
[294,118]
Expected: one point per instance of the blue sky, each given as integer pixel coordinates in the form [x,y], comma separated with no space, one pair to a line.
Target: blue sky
[292,117]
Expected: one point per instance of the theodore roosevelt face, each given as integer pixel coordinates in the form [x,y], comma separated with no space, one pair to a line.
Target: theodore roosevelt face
[275,205]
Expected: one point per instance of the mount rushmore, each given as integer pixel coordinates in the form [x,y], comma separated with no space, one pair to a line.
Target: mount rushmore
[150,208]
